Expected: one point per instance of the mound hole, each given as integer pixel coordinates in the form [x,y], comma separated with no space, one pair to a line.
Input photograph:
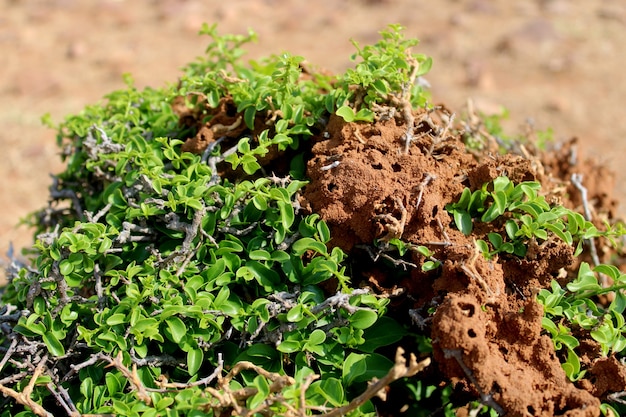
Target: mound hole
[468,309]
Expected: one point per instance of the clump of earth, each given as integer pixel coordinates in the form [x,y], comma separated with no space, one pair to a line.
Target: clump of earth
[487,334]
[372,185]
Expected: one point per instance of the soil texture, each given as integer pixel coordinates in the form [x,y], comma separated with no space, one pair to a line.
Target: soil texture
[487,334]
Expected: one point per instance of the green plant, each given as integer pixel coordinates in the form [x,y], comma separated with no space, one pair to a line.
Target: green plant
[387,75]
[175,284]
[524,215]
[574,305]
[528,216]
[176,273]
[487,130]
[572,310]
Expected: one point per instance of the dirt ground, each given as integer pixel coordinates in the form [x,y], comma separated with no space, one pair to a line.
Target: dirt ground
[554,63]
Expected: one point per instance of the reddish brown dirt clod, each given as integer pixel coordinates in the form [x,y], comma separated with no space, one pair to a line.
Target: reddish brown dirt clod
[486,331]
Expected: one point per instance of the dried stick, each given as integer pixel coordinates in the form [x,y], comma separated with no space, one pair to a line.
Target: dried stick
[131,376]
[577,180]
[23,397]
[399,370]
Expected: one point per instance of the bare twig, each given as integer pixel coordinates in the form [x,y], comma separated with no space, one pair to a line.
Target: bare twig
[60,194]
[94,218]
[444,233]
[399,370]
[131,375]
[165,385]
[64,400]
[618,397]
[23,397]
[328,167]
[8,353]
[577,180]
[393,226]
[341,300]
[472,272]
[422,185]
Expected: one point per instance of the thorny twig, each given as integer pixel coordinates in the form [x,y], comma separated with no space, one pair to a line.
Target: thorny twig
[190,230]
[57,194]
[146,234]
[441,134]
[92,148]
[212,161]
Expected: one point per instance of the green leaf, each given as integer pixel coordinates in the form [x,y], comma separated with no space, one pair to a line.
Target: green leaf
[194,361]
[249,116]
[495,239]
[260,202]
[304,244]
[511,229]
[619,303]
[116,319]
[572,366]
[295,314]
[331,389]
[385,331]
[430,266]
[609,270]
[586,280]
[66,267]
[347,113]
[354,366]
[324,231]
[362,319]
[260,255]
[177,328]
[263,275]
[263,390]
[365,115]
[463,221]
[497,208]
[317,337]
[289,346]
[287,215]
[424,67]
[482,246]
[53,344]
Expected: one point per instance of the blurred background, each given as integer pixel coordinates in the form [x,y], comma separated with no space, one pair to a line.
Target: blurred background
[551,63]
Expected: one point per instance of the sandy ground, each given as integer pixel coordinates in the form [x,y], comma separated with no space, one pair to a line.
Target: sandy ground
[553,63]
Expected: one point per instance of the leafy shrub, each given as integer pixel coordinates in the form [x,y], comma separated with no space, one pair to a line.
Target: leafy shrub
[175,272]
[172,283]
